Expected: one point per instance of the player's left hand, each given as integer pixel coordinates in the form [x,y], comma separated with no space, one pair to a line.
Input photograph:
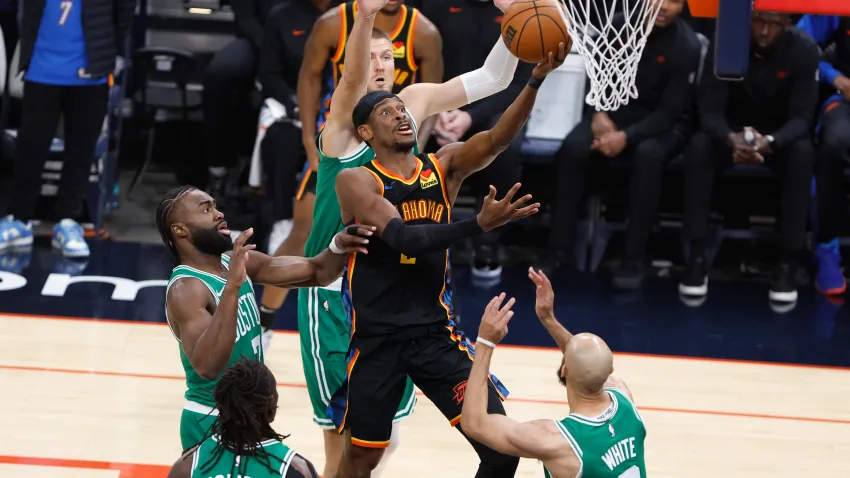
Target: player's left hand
[544,304]
[354,238]
[552,62]
[494,322]
[611,144]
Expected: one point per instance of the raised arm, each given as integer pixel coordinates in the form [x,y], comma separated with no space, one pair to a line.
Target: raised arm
[459,160]
[539,439]
[544,306]
[318,271]
[360,197]
[339,129]
[322,40]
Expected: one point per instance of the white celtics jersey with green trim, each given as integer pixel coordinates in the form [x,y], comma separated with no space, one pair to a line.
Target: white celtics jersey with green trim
[208,462]
[247,336]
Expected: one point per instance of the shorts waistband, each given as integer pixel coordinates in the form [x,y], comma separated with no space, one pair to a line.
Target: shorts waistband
[196,407]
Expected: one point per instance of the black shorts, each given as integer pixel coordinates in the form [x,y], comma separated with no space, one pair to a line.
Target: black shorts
[438,359]
[306,182]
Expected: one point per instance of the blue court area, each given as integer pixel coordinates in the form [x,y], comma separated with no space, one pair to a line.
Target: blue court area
[126,281]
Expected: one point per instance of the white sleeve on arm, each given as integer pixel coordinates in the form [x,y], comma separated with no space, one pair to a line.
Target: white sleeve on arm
[494,76]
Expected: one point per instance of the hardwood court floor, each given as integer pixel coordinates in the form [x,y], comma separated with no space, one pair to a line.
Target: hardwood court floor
[86,398]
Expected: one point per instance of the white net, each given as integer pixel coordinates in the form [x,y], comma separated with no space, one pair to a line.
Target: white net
[610,35]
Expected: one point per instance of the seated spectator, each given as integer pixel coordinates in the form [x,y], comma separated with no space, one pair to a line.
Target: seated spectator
[476,25]
[282,51]
[68,54]
[775,103]
[232,69]
[831,32]
[647,132]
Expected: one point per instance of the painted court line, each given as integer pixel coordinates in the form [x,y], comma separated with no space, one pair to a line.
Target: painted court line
[509,346]
[510,399]
[125,470]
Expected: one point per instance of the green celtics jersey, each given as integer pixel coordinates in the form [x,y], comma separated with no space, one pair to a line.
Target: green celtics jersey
[326,216]
[206,463]
[610,445]
[248,333]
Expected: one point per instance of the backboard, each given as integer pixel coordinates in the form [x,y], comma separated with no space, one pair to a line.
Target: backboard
[733,26]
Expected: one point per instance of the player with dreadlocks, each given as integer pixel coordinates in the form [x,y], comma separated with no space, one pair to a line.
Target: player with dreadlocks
[241,441]
[209,301]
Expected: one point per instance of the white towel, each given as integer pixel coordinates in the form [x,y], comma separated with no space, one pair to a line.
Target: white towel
[271,112]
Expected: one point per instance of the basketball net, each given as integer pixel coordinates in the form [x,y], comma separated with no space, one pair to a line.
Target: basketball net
[611,50]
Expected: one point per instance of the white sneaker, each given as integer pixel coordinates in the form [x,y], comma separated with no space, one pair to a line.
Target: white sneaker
[268,335]
[280,231]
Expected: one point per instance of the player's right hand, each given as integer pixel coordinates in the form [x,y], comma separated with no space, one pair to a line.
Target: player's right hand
[494,322]
[842,84]
[239,258]
[497,213]
[544,304]
[312,156]
[367,8]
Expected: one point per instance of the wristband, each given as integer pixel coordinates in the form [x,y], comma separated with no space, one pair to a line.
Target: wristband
[481,340]
[535,82]
[332,246]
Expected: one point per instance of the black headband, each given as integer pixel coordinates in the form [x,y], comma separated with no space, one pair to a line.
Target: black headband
[364,107]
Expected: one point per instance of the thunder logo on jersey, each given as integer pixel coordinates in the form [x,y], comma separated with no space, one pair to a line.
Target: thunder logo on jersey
[59,56]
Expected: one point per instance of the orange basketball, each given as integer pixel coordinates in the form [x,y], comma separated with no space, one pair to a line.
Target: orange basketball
[533,28]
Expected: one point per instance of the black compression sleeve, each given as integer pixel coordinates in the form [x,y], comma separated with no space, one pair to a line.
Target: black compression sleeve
[416,240]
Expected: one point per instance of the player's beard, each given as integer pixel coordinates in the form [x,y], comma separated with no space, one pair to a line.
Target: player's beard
[404,146]
[210,241]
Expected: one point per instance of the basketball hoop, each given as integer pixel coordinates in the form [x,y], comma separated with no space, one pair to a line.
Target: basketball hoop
[610,35]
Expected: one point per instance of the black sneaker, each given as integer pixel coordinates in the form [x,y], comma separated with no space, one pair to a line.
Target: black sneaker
[486,264]
[784,285]
[629,275]
[695,281]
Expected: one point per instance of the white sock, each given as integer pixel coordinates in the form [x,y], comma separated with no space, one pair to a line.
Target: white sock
[394,440]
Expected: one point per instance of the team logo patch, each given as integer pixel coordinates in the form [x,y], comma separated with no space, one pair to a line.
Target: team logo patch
[427,179]
[398,49]
[611,430]
[460,392]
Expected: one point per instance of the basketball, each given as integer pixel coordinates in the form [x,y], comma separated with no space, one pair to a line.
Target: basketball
[533,28]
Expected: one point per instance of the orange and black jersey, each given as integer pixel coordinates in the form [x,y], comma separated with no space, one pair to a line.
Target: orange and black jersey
[384,289]
[402,38]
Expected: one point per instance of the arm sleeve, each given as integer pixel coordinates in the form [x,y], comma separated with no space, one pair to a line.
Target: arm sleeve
[713,95]
[416,240]
[804,96]
[821,28]
[675,99]
[483,110]
[273,61]
[247,25]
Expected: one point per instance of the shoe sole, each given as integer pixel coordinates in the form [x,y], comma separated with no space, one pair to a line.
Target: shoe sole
[16,243]
[66,253]
[487,273]
[783,296]
[694,290]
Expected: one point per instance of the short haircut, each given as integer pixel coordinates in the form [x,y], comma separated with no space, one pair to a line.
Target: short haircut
[378,34]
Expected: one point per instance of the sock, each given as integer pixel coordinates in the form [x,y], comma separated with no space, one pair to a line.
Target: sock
[833,245]
[266,317]
[394,440]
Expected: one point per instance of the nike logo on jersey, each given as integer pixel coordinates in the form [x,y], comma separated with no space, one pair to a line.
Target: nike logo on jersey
[389,186]
[455,9]
[298,33]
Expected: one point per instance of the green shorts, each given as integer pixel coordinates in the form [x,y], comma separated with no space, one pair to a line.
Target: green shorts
[194,426]
[325,334]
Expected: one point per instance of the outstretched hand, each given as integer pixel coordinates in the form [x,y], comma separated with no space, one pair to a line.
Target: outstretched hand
[552,62]
[494,322]
[367,8]
[544,304]
[354,239]
[497,213]
[239,258]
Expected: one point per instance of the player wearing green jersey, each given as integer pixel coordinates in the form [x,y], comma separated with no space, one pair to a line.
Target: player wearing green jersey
[215,316]
[241,441]
[602,437]
[369,66]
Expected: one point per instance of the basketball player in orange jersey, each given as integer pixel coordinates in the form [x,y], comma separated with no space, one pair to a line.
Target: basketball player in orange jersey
[418,57]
